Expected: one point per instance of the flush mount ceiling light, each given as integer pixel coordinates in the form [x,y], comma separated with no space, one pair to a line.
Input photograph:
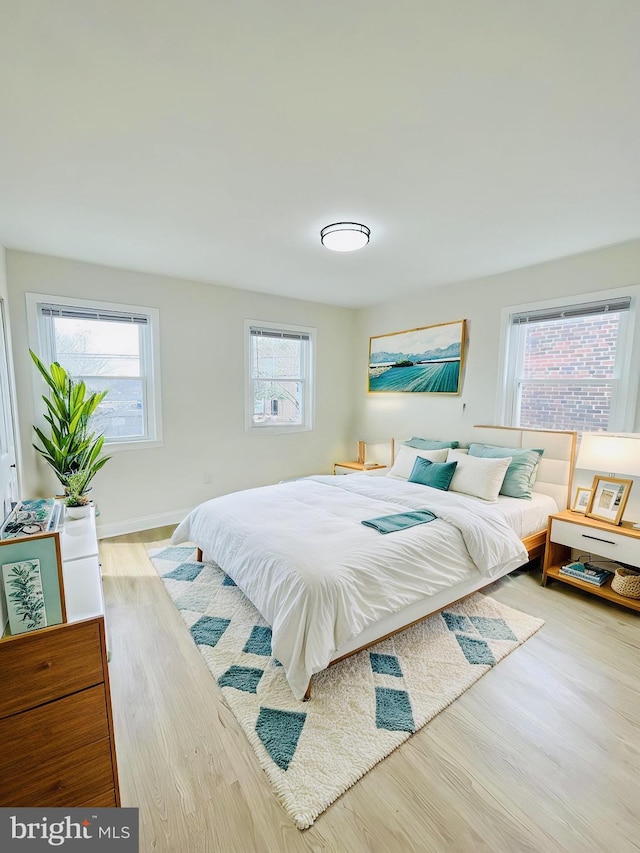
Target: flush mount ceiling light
[345,236]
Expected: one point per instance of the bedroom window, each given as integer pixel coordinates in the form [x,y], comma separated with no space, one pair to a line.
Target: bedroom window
[568,366]
[110,347]
[280,377]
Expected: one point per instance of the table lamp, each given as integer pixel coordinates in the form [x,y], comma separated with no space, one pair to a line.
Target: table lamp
[616,453]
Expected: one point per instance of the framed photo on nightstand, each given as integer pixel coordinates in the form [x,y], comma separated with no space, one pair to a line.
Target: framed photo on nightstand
[609,496]
[581,500]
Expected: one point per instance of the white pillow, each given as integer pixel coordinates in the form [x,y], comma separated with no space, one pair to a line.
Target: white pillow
[479,480]
[406,457]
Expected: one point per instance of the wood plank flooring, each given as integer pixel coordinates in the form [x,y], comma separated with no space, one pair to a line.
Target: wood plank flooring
[541,755]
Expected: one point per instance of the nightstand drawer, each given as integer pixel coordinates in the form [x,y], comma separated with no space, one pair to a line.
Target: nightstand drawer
[592,540]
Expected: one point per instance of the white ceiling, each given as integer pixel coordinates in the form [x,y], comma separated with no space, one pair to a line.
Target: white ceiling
[212,140]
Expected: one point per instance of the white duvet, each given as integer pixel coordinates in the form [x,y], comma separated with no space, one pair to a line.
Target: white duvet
[319,577]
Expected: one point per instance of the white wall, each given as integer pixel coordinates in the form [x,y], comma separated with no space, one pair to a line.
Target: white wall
[480,302]
[3,274]
[202,363]
[201,329]
[4,298]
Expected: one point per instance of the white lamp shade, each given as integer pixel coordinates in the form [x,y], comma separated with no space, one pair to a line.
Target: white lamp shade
[612,452]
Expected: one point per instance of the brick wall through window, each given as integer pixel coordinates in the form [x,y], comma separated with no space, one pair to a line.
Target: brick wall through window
[568,372]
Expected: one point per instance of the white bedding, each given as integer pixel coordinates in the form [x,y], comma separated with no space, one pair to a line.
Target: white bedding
[526,517]
[319,577]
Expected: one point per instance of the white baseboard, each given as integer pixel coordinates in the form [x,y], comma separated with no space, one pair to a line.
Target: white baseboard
[146,522]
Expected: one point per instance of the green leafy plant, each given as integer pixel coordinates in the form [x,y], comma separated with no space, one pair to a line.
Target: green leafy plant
[71,448]
[76,487]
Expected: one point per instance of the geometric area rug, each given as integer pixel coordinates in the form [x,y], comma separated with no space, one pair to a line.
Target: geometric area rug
[361,709]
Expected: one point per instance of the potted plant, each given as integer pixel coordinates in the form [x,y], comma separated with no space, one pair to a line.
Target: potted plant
[71,448]
[76,501]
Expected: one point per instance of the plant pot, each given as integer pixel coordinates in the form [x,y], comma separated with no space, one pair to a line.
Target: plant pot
[78,511]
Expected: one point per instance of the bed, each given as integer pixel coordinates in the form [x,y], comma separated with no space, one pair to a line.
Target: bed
[329,586]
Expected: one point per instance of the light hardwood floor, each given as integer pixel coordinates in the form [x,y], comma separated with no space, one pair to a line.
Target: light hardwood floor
[542,754]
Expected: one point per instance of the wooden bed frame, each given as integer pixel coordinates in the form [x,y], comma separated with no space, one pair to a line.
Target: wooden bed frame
[554,478]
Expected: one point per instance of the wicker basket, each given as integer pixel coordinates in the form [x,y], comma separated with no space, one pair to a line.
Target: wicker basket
[627,583]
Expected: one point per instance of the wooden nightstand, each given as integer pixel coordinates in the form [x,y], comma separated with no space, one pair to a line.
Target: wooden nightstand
[355,466]
[569,530]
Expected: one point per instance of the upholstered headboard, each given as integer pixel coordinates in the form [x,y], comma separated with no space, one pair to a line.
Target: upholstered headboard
[555,472]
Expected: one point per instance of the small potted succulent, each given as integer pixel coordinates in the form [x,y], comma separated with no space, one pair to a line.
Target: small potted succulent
[76,500]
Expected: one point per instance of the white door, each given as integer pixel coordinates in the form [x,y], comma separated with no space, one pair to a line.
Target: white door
[8,471]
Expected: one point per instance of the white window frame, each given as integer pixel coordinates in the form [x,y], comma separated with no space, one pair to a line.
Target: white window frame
[308,380]
[625,383]
[41,342]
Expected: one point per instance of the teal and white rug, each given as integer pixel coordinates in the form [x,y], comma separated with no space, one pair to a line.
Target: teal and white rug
[361,709]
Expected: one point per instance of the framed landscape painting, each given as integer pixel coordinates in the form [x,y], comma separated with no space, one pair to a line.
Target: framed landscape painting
[426,360]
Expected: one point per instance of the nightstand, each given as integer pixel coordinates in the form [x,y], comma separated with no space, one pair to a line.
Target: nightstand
[567,530]
[350,467]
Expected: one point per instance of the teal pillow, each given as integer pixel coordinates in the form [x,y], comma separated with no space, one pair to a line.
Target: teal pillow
[438,475]
[430,443]
[521,473]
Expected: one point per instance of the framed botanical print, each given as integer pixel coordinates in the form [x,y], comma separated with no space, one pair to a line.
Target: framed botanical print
[32,583]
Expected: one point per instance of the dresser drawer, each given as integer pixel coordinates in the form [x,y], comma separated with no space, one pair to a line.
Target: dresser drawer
[103,801]
[45,665]
[52,730]
[601,543]
[68,780]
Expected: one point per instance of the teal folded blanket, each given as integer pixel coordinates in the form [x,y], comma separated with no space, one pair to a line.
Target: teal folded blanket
[399,520]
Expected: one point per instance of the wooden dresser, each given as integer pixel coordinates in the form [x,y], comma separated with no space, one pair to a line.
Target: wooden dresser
[56,729]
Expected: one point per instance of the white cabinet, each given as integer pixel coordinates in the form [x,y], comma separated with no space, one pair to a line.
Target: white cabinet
[81,568]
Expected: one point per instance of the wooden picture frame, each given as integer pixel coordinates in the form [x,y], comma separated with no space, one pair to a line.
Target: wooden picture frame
[428,359]
[581,499]
[39,554]
[609,496]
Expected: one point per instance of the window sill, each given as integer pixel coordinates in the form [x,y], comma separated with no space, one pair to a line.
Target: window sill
[142,444]
[276,430]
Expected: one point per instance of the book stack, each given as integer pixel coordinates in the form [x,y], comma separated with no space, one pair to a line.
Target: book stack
[589,574]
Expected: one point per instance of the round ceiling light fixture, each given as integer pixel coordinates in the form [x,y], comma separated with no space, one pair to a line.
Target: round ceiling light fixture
[345,236]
